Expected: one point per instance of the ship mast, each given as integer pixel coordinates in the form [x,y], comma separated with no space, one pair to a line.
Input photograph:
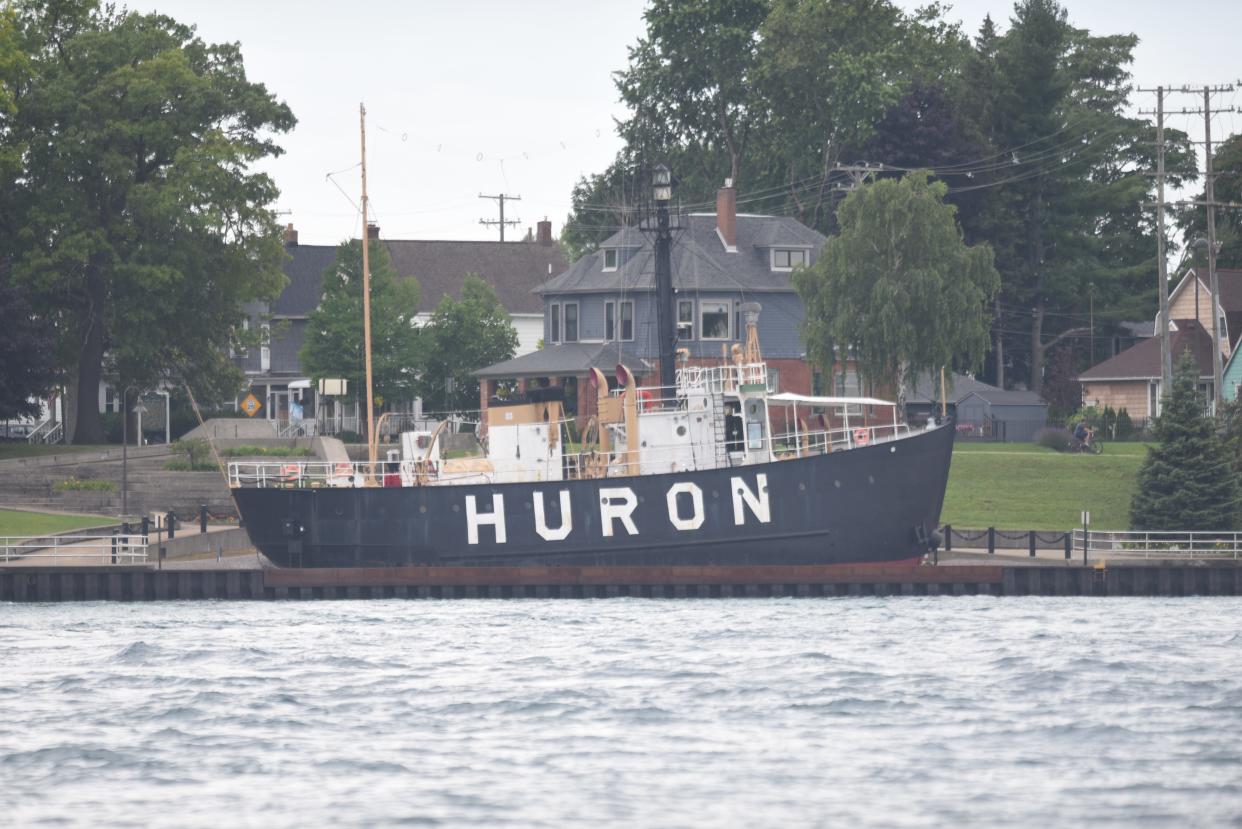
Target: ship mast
[366,291]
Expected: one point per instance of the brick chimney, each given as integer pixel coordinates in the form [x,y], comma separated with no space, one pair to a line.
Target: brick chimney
[544,232]
[372,230]
[726,215]
[290,236]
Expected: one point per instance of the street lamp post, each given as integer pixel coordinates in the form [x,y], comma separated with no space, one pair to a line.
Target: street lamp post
[139,410]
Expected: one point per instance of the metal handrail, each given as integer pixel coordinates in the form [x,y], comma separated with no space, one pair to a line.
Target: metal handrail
[311,474]
[119,549]
[1159,543]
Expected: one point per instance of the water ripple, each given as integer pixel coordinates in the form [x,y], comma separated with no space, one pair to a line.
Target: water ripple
[866,712]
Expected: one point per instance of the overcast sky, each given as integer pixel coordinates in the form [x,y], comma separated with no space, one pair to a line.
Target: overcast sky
[495,96]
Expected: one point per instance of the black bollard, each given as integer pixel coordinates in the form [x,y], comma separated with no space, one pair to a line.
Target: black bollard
[146,529]
[114,546]
[1069,546]
[1031,543]
[991,540]
[202,518]
[170,520]
[948,538]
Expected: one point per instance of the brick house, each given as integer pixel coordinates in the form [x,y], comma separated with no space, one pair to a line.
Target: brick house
[1131,380]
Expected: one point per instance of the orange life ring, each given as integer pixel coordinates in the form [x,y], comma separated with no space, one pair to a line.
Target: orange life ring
[645,400]
[861,436]
[290,472]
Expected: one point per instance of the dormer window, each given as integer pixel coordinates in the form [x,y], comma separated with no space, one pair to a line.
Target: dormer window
[786,259]
[610,259]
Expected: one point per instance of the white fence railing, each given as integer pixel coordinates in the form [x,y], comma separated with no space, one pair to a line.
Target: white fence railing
[108,549]
[1159,544]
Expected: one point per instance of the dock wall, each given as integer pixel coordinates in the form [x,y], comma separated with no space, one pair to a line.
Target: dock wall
[119,583]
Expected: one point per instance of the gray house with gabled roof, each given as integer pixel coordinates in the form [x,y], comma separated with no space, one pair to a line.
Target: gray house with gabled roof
[513,269]
[602,308]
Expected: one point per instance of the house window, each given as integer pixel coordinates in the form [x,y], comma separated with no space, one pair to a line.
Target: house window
[685,319]
[554,332]
[714,319]
[1153,400]
[571,322]
[848,384]
[627,320]
[786,259]
[265,350]
[774,380]
[110,401]
[610,259]
[610,321]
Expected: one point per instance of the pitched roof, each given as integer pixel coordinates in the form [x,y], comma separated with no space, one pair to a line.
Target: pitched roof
[512,268]
[568,359]
[1229,279]
[1142,360]
[699,259]
[926,388]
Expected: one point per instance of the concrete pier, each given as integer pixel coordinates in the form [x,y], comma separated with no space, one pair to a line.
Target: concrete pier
[122,583]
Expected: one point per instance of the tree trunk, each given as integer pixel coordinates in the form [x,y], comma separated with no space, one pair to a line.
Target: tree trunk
[1037,348]
[88,427]
[1000,349]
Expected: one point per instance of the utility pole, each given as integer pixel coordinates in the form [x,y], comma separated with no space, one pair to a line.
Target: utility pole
[1213,287]
[501,198]
[1091,322]
[1166,355]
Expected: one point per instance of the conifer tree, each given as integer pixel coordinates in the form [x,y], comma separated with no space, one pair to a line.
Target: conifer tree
[1187,481]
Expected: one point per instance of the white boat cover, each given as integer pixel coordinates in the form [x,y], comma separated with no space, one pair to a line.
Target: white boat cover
[809,400]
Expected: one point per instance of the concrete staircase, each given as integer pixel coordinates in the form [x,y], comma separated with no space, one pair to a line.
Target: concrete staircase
[31,482]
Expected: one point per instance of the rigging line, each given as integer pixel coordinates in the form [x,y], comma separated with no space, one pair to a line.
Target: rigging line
[343,193]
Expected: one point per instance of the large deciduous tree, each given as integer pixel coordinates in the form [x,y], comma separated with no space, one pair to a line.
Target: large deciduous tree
[1187,481]
[136,217]
[464,335]
[898,289]
[27,368]
[334,332]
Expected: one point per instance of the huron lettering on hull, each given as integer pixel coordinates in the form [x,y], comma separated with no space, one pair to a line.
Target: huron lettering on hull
[684,501]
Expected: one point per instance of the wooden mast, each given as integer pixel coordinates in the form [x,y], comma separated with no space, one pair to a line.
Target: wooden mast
[366,291]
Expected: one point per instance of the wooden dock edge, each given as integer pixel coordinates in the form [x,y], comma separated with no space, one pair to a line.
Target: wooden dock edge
[67,584]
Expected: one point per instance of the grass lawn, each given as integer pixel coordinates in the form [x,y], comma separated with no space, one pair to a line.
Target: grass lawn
[9,449]
[19,522]
[1021,486]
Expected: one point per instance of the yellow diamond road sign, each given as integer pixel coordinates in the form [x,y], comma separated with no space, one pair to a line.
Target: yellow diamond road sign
[251,405]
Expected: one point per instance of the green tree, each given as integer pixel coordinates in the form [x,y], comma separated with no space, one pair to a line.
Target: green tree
[898,287]
[463,336]
[136,221]
[27,369]
[1227,167]
[1187,481]
[334,332]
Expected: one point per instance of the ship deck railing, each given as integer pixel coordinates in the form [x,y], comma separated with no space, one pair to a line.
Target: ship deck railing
[573,465]
[720,379]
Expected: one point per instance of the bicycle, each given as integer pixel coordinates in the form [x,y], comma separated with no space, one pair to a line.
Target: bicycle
[1094,447]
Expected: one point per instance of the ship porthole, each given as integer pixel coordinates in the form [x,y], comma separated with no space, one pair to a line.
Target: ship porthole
[715,494]
[802,487]
[340,511]
[837,484]
[423,508]
[456,508]
[681,431]
[892,449]
[871,479]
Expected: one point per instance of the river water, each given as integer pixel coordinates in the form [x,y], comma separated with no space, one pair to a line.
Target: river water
[856,712]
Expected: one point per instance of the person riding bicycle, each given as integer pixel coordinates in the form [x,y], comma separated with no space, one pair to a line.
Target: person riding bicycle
[1083,434]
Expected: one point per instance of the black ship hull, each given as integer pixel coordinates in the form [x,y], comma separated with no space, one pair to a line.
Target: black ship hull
[869,505]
